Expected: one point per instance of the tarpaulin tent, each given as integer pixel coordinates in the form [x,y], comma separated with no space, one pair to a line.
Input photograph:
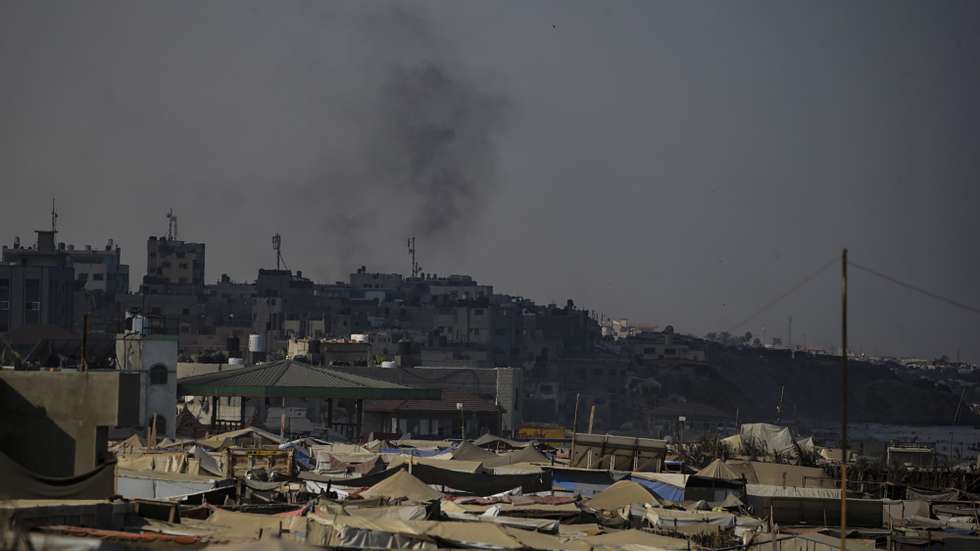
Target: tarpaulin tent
[496,442]
[718,470]
[402,485]
[524,455]
[468,452]
[777,441]
[480,482]
[19,482]
[621,494]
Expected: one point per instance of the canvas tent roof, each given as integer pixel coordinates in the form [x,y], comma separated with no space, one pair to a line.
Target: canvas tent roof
[621,494]
[402,485]
[717,469]
[469,452]
[489,440]
[292,378]
[525,455]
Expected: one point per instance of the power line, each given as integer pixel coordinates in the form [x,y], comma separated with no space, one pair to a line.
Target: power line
[916,289]
[785,294]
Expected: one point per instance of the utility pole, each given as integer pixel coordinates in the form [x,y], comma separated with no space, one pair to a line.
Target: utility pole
[843,421]
[789,333]
[591,417]
[462,422]
[84,364]
[578,398]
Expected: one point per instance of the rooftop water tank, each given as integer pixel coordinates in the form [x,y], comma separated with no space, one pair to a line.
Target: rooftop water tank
[359,337]
[256,343]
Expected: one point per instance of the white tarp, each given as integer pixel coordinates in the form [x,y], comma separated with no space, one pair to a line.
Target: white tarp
[776,440]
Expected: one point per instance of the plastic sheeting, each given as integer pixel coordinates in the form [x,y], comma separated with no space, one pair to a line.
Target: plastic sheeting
[18,482]
[774,439]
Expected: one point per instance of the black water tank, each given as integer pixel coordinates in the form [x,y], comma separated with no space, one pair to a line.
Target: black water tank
[234,346]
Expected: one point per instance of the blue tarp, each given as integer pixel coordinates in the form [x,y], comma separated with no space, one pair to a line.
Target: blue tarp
[662,489]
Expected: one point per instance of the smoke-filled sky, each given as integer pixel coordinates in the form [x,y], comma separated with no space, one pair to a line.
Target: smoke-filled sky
[670,162]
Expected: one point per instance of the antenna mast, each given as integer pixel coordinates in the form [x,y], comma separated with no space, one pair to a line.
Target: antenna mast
[277,246]
[54,217]
[171,225]
[416,269]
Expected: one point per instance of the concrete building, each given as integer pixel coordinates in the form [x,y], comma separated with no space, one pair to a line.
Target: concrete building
[434,418]
[96,269]
[36,295]
[502,385]
[154,359]
[173,262]
[57,423]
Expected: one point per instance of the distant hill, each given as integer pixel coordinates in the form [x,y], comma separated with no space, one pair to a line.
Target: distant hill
[750,379]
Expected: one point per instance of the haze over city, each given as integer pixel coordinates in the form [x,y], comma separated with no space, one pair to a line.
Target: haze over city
[673,163]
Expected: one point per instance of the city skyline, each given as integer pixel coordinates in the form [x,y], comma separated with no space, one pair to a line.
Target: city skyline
[695,174]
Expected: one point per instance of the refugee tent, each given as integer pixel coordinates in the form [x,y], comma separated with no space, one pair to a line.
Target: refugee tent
[524,455]
[19,482]
[718,470]
[638,538]
[250,525]
[402,485]
[672,518]
[668,486]
[468,452]
[621,494]
[272,544]
[248,437]
[775,440]
[496,442]
[779,474]
[480,482]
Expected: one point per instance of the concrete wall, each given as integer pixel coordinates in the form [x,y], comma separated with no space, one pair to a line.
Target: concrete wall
[51,419]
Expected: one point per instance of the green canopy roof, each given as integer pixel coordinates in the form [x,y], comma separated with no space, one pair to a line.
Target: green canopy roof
[297,379]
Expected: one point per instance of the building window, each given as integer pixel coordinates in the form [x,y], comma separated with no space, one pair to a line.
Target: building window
[158,375]
[478,312]
[83,276]
[670,352]
[98,277]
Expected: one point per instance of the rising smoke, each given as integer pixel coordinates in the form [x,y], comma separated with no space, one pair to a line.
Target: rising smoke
[425,164]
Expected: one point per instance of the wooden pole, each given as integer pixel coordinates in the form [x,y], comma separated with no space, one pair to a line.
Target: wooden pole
[843,421]
[591,417]
[282,419]
[578,398]
[84,363]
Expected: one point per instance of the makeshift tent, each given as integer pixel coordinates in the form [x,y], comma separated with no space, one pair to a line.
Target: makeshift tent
[525,455]
[246,437]
[731,502]
[468,452]
[19,482]
[496,442]
[638,538]
[775,440]
[672,518]
[718,470]
[480,482]
[668,486]
[779,474]
[402,485]
[621,494]
[274,544]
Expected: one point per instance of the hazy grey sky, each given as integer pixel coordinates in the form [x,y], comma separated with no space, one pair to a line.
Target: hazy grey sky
[671,162]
